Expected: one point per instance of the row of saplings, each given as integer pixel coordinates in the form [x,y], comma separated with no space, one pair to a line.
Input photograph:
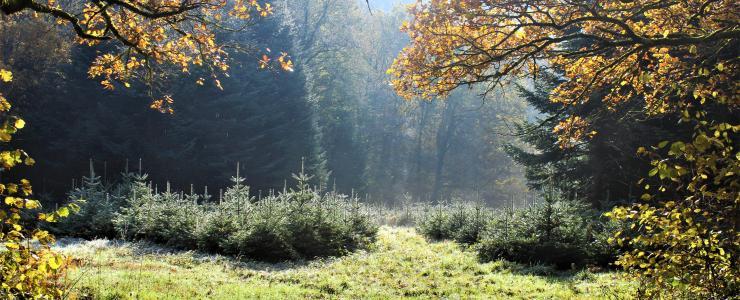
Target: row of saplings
[299,223]
[304,223]
[561,233]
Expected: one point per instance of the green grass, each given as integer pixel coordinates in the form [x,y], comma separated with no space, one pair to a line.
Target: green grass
[401,264]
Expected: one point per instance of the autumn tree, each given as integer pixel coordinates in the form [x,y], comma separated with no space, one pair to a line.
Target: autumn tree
[143,41]
[672,57]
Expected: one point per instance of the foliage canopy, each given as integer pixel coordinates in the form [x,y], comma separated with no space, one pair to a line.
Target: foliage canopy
[647,49]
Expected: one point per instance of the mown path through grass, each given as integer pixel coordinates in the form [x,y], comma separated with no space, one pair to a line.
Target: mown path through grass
[401,264]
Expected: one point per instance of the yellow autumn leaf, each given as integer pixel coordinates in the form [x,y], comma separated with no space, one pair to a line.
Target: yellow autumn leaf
[6,75]
[55,262]
[63,212]
[19,123]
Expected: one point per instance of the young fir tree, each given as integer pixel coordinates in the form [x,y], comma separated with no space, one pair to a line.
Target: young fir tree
[97,208]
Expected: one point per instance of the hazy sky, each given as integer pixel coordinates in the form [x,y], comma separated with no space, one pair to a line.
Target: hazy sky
[386,4]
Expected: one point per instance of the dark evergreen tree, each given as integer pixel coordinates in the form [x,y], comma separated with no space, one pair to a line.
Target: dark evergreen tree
[602,170]
[338,109]
[261,120]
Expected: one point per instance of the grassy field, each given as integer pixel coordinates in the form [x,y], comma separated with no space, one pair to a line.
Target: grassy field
[401,264]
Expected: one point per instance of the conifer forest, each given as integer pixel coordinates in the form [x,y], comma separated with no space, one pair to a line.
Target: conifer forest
[369,149]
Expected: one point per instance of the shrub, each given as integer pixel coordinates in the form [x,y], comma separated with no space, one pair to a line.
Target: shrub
[166,218]
[558,233]
[265,239]
[462,222]
[213,231]
[683,233]
[601,252]
[435,225]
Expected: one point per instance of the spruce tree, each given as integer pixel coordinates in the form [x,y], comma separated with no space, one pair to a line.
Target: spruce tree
[601,171]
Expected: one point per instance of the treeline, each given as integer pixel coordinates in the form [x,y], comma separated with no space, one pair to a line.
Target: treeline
[260,119]
[336,110]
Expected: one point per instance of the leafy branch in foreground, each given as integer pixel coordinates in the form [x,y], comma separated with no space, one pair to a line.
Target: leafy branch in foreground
[28,267]
[647,50]
[687,242]
[145,39]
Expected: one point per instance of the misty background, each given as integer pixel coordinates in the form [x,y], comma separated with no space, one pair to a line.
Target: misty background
[336,114]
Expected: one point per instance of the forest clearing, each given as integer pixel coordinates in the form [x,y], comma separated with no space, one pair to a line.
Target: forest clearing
[401,264]
[369,149]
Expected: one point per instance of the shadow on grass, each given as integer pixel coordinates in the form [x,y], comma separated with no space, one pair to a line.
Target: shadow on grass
[174,256]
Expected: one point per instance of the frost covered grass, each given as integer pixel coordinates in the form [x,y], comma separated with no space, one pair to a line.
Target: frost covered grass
[400,264]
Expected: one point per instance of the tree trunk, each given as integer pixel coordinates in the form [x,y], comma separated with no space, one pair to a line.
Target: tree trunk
[417,183]
[444,136]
